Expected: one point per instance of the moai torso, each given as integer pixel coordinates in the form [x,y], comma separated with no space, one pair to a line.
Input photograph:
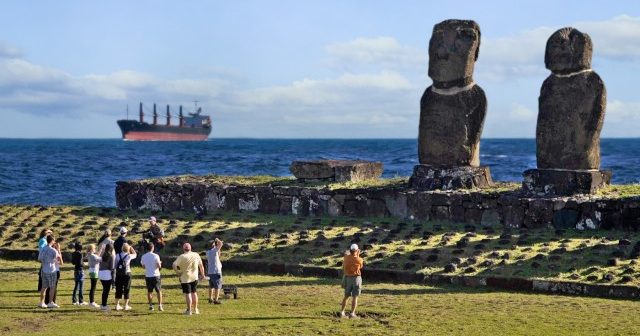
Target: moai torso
[571,106]
[452,110]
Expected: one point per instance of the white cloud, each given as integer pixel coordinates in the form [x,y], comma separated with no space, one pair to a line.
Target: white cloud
[520,112]
[617,38]
[7,51]
[384,51]
[308,92]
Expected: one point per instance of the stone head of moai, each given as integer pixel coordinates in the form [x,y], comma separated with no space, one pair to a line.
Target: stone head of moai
[571,106]
[568,50]
[453,50]
[452,110]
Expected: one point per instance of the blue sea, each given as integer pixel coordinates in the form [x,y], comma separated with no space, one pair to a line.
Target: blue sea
[84,172]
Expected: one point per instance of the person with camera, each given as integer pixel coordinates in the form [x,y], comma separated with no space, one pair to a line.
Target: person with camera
[154,234]
[123,275]
[352,281]
[214,271]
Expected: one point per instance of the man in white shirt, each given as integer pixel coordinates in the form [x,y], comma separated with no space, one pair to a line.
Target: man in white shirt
[152,264]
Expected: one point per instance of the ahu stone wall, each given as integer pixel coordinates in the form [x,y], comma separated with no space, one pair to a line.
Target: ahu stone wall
[509,209]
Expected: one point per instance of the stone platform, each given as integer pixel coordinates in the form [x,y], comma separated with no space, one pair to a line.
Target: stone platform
[336,170]
[427,177]
[496,207]
[557,182]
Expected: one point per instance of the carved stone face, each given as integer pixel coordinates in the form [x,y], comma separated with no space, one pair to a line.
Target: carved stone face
[453,50]
[568,50]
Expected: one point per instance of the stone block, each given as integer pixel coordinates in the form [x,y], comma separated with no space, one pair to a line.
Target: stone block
[336,170]
[556,182]
[427,177]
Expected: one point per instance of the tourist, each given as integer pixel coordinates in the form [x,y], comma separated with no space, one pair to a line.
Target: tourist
[123,275]
[42,242]
[117,245]
[94,268]
[214,271]
[48,257]
[187,266]
[104,240]
[151,263]
[155,234]
[58,263]
[352,266]
[78,275]
[105,274]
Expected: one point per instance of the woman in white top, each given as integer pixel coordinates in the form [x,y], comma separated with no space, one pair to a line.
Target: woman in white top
[123,275]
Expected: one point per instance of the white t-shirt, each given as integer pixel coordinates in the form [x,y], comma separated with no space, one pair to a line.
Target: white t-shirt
[151,261]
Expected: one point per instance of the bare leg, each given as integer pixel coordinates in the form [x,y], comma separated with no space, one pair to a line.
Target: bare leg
[211,294]
[150,297]
[216,294]
[159,297]
[188,299]
[354,304]
[194,301]
[52,294]
[42,294]
[344,303]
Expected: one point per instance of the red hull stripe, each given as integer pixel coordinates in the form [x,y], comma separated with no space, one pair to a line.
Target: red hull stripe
[164,136]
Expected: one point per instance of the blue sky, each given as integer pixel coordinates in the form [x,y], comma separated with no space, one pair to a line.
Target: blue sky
[338,69]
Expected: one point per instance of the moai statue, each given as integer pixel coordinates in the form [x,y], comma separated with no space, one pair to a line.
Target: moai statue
[571,111]
[452,112]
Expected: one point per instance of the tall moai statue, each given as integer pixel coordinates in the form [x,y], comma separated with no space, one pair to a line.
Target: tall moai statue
[571,110]
[452,112]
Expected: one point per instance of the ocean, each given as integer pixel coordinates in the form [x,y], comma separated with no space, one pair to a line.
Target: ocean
[84,172]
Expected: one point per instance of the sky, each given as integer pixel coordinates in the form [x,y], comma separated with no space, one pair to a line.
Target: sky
[291,69]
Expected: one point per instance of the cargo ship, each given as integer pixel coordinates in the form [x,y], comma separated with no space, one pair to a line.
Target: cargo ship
[193,127]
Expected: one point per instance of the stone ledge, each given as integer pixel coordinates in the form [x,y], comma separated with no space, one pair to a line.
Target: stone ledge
[381,275]
[554,182]
[336,170]
[427,177]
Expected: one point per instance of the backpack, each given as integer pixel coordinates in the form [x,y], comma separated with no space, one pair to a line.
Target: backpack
[121,268]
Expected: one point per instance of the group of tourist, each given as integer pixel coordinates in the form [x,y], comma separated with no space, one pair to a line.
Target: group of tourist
[110,262]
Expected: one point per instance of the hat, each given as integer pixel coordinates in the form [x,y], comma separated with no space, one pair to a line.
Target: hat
[152,218]
[123,230]
[353,247]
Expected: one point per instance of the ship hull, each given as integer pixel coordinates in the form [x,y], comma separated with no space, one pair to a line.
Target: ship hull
[136,131]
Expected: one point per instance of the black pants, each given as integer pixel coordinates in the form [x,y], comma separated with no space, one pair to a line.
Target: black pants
[123,284]
[106,287]
[92,291]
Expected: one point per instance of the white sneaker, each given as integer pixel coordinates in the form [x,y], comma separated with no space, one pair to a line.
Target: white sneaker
[118,307]
[82,303]
[197,312]
[151,307]
[52,305]
[42,305]
[127,307]
[342,314]
[75,303]
[94,305]
[187,312]
[104,308]
[160,308]
[353,316]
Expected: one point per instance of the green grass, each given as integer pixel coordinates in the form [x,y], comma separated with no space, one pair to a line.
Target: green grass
[388,243]
[620,191]
[286,305]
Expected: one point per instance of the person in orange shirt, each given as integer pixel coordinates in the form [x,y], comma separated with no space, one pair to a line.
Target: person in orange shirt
[352,281]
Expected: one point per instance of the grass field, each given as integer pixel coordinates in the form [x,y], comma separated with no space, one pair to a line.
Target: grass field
[285,305]
[590,256]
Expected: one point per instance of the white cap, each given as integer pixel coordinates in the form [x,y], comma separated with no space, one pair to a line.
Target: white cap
[353,247]
[152,218]
[123,230]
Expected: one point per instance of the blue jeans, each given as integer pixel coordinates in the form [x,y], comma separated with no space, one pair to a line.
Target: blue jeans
[78,277]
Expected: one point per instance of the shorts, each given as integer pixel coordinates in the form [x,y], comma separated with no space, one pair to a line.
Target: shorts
[49,280]
[188,288]
[153,283]
[215,281]
[352,285]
